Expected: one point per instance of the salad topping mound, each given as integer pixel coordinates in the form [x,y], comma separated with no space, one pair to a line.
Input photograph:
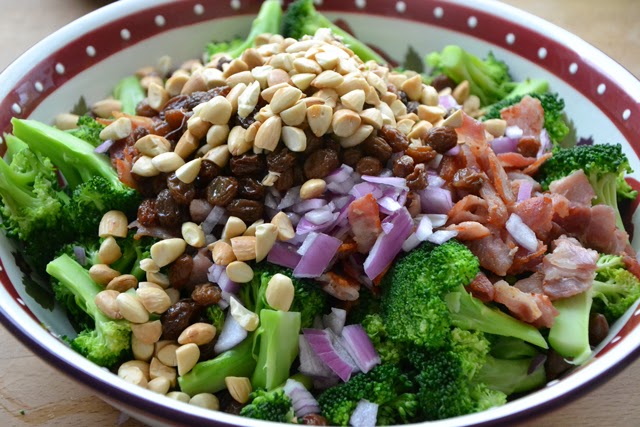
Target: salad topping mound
[292,230]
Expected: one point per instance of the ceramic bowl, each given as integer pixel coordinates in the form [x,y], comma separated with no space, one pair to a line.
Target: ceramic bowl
[90,55]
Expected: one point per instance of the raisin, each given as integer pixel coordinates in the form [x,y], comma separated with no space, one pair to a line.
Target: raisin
[206,294]
[412,107]
[161,128]
[403,166]
[413,204]
[377,147]
[147,213]
[285,181]
[350,156]
[208,171]
[178,317]
[298,176]
[313,143]
[392,88]
[314,420]
[245,122]
[469,180]
[369,165]
[395,138]
[197,98]
[441,138]
[281,160]
[152,185]
[170,213]
[222,190]
[421,154]
[442,82]
[321,163]
[181,192]
[417,180]
[180,270]
[176,118]
[144,109]
[402,96]
[247,165]
[249,188]
[247,210]
[598,328]
[175,103]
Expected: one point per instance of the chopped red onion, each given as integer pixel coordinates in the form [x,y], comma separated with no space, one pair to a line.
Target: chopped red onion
[284,254]
[199,209]
[308,241]
[302,400]
[341,188]
[360,347]
[217,216]
[385,172]
[434,180]
[80,254]
[318,257]
[387,227]
[294,218]
[270,201]
[453,152]
[388,205]
[392,181]
[305,226]
[335,320]
[231,335]
[521,233]
[435,200]
[504,144]
[441,236]
[291,197]
[320,216]
[513,132]
[364,188]
[323,346]
[224,301]
[525,189]
[438,220]
[435,163]
[448,101]
[226,284]
[365,414]
[310,362]
[545,143]
[309,204]
[387,246]
[341,202]
[104,147]
[411,243]
[341,174]
[214,272]
[425,229]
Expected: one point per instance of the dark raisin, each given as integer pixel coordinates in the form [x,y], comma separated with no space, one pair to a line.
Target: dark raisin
[147,213]
[528,146]
[199,97]
[281,160]
[170,213]
[350,156]
[178,317]
[206,294]
[249,188]
[247,165]
[245,122]
[181,192]
[598,328]
[442,82]
[314,420]
[395,138]
[180,270]
[402,96]
[417,180]
[392,88]
[422,154]
[298,175]
[441,138]
[377,147]
[175,103]
[138,133]
[222,190]
[176,118]
[285,181]
[144,109]
[555,365]
[228,404]
[412,107]
[247,210]
[369,165]
[321,163]
[161,128]
[152,185]
[222,61]
[469,180]
[208,171]
[413,204]
[313,143]
[403,166]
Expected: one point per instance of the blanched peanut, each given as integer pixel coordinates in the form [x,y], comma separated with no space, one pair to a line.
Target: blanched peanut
[193,234]
[294,116]
[280,292]
[198,333]
[219,155]
[454,120]
[188,172]
[143,366]
[186,145]
[157,369]
[167,355]
[266,235]
[245,317]
[176,82]
[285,228]
[429,96]
[141,351]
[67,121]
[244,247]
[216,111]
[179,396]
[186,357]
[148,333]
[327,79]
[233,228]
[198,126]
[373,117]
[239,388]
[106,303]
[122,283]
[205,400]
[354,100]
[251,230]
[133,375]
[166,251]
[222,253]
[105,108]
[143,166]
[109,251]
[495,127]
[149,265]
[413,87]
[303,80]
[358,136]
[102,274]
[160,385]
[239,272]
[269,133]
[284,98]
[154,300]
[174,295]
[158,95]
[312,188]
[131,308]
[294,138]
[152,145]
[248,100]
[167,162]
[238,143]
[120,128]
[217,135]
[461,92]
[158,278]
[319,118]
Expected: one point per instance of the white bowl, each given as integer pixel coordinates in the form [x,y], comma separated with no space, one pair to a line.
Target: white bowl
[90,55]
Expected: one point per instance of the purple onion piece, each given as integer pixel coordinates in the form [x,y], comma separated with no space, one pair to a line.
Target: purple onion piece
[521,233]
[291,197]
[392,181]
[335,320]
[524,191]
[504,144]
[411,243]
[365,414]
[424,229]
[448,101]
[435,200]
[231,335]
[308,205]
[284,254]
[320,342]
[513,132]
[318,257]
[441,236]
[216,216]
[387,246]
[80,254]
[360,347]
[104,147]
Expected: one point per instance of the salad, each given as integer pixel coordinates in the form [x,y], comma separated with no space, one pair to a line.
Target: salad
[295,231]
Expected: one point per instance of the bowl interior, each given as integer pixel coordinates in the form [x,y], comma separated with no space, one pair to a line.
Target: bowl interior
[87,59]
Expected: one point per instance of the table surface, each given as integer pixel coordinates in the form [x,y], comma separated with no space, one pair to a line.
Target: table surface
[49,398]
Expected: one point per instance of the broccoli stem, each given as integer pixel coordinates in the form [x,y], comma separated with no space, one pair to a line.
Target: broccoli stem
[208,376]
[510,376]
[267,21]
[14,146]
[470,313]
[528,87]
[74,157]
[76,279]
[276,341]
[569,335]
[129,92]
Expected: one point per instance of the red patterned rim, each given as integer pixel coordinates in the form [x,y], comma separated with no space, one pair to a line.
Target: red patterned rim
[583,73]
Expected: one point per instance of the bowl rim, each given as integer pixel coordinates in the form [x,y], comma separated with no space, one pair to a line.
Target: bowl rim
[85,372]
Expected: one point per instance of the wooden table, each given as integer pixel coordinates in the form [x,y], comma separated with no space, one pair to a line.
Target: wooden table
[50,398]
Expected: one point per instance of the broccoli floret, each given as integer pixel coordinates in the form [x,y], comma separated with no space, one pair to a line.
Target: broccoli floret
[269,406]
[216,316]
[267,22]
[106,341]
[389,351]
[605,166]
[302,18]
[309,299]
[88,130]
[385,385]
[552,105]
[615,288]
[424,296]
[129,92]
[14,146]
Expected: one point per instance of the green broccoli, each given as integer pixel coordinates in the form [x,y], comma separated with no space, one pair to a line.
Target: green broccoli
[511,375]
[604,164]
[424,296]
[302,18]
[552,105]
[216,316]
[309,299]
[267,22]
[106,341]
[14,145]
[273,405]
[129,92]
[569,334]
[615,288]
[88,130]
[389,351]
[385,385]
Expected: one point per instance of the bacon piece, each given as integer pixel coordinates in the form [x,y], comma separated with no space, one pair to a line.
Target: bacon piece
[340,287]
[527,114]
[522,305]
[364,218]
[535,166]
[531,284]
[524,260]
[631,264]
[602,233]
[569,270]
[481,288]
[469,230]
[537,214]
[549,312]
[469,208]
[575,187]
[493,252]
[497,210]
[515,160]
